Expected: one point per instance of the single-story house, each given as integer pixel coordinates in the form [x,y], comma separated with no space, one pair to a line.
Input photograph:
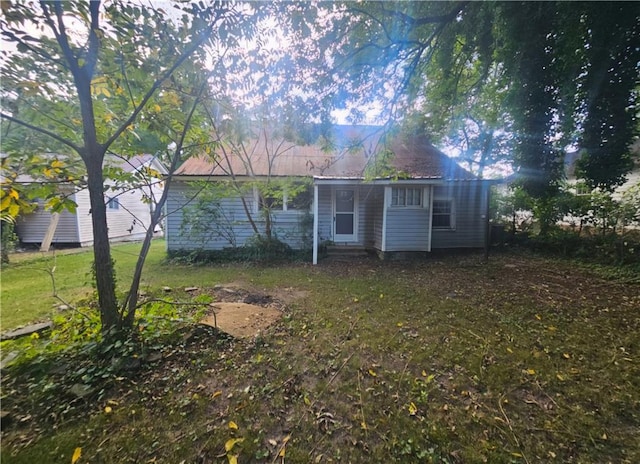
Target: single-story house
[128,210]
[389,195]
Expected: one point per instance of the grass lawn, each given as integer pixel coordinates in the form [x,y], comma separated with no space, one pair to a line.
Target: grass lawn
[521,360]
[28,281]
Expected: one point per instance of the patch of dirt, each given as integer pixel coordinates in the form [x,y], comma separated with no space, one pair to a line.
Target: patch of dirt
[244,313]
[241,320]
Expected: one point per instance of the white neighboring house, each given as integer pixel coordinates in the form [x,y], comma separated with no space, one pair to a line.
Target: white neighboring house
[633,178]
[128,211]
[573,182]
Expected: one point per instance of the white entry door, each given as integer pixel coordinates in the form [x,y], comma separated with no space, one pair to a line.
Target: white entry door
[345,217]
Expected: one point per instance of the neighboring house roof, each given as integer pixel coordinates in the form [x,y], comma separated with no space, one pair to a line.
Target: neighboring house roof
[135,162]
[353,150]
[128,165]
[572,157]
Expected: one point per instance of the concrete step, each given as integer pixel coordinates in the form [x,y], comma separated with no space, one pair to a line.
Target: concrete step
[346,250]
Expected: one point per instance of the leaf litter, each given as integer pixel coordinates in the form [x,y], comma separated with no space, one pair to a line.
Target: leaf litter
[534,360]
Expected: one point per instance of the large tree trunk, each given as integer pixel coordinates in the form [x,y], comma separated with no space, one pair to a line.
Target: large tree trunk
[103,266]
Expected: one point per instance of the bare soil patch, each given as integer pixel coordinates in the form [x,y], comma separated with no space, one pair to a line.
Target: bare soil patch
[241,320]
[245,313]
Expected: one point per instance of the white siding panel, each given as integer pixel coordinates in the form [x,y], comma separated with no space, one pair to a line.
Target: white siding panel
[83,213]
[131,219]
[33,227]
[407,229]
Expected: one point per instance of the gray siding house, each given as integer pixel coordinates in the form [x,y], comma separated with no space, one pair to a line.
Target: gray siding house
[385,194]
[128,210]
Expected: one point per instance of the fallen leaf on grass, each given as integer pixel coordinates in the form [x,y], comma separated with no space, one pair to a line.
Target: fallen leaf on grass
[413,409]
[285,440]
[76,455]
[229,444]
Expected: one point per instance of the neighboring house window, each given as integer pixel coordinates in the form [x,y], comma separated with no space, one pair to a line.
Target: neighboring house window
[442,216]
[113,203]
[404,196]
[582,189]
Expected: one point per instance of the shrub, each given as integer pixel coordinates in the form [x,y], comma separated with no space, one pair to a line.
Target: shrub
[602,249]
[259,249]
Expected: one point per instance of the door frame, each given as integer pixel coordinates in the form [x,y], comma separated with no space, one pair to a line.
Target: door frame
[344,237]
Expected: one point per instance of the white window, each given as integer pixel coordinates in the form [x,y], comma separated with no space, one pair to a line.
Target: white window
[113,203]
[442,216]
[298,198]
[294,198]
[406,196]
[582,189]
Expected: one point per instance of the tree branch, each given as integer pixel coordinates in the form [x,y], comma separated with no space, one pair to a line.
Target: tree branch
[414,22]
[36,51]
[156,85]
[42,131]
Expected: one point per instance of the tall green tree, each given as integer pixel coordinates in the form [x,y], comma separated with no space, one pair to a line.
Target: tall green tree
[93,77]
[541,76]
[609,92]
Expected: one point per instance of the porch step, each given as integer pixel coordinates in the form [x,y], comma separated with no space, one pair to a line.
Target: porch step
[346,251]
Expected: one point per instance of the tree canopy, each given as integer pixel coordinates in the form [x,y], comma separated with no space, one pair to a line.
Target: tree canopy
[88,78]
[514,82]
[522,80]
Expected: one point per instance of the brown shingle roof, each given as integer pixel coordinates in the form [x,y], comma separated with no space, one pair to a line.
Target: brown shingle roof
[412,157]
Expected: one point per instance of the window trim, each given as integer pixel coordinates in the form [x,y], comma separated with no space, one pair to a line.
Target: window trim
[404,204]
[452,213]
[285,207]
[582,189]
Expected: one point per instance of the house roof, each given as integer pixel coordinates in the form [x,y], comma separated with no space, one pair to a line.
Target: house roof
[354,152]
[128,165]
[134,163]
